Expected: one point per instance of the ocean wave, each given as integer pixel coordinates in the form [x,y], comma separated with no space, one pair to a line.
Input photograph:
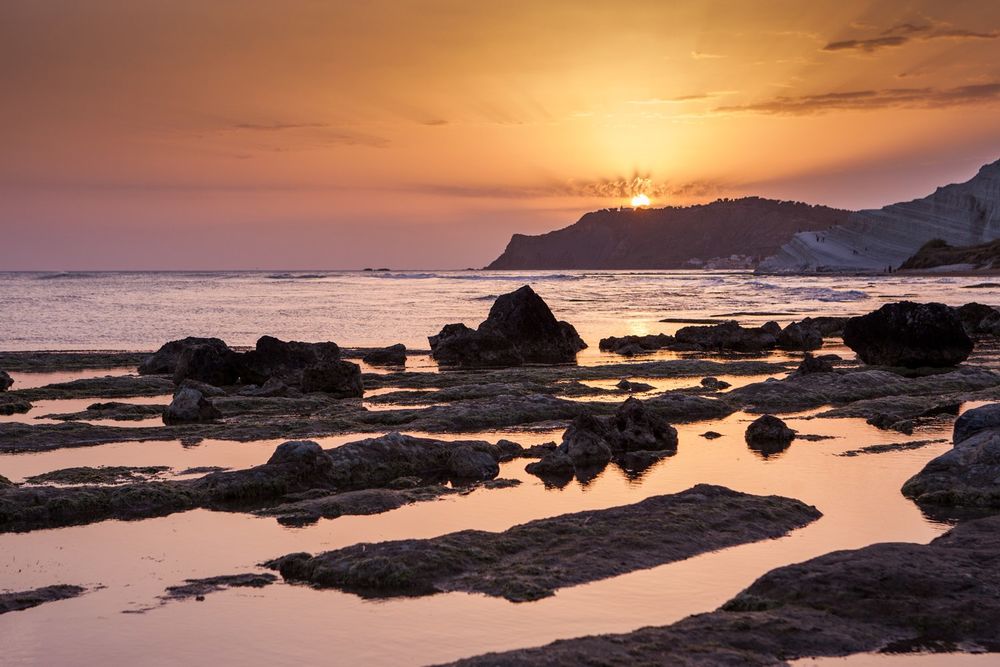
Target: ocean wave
[66,275]
[521,278]
[296,276]
[824,294]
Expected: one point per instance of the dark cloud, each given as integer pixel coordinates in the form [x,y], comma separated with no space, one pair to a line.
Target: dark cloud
[903,33]
[916,98]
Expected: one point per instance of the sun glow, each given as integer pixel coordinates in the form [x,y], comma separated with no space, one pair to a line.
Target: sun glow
[640,200]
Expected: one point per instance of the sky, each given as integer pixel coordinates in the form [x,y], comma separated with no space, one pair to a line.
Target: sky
[242,134]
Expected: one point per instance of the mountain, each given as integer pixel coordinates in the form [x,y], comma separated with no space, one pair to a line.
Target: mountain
[667,238]
[963,214]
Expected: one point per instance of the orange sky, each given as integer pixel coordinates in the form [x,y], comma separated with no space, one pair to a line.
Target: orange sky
[307,134]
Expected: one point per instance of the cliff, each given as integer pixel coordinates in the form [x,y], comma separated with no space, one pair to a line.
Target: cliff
[963,214]
[668,238]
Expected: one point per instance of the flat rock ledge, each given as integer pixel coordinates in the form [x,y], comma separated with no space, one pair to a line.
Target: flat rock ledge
[532,560]
[891,598]
[22,600]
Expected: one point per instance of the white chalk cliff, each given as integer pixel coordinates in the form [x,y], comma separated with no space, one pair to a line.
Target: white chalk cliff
[961,214]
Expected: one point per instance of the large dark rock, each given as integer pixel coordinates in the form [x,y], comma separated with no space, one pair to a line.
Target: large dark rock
[800,336]
[210,364]
[811,364]
[978,318]
[189,405]
[164,360]
[5,381]
[909,334]
[272,357]
[586,442]
[338,378]
[520,329]
[634,427]
[729,337]
[649,342]
[394,355]
[827,325]
[978,419]
[967,475]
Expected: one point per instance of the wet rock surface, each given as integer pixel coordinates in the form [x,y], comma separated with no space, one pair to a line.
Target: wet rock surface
[99,475]
[164,360]
[189,405]
[519,329]
[893,597]
[296,467]
[6,381]
[22,600]
[967,475]
[531,561]
[109,386]
[198,588]
[111,410]
[909,334]
[729,336]
[394,355]
[768,435]
[48,362]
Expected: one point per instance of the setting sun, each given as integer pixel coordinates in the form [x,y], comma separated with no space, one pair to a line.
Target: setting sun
[640,200]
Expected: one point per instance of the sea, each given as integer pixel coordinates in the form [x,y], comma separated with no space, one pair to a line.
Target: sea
[126,565]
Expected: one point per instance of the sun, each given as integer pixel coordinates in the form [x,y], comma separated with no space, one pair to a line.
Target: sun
[640,200]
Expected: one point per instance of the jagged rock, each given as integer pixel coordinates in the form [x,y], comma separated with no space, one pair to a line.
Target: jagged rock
[827,325]
[811,364]
[190,406]
[5,381]
[210,364]
[909,334]
[800,336]
[272,357]
[211,391]
[729,336]
[978,419]
[394,355]
[586,442]
[164,360]
[338,378]
[633,427]
[555,463]
[649,342]
[271,389]
[768,435]
[520,329]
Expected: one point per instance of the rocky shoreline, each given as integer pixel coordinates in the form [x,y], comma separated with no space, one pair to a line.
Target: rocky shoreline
[920,366]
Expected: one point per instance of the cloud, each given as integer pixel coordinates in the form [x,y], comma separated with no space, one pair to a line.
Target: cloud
[912,98]
[701,55]
[696,97]
[904,33]
[282,135]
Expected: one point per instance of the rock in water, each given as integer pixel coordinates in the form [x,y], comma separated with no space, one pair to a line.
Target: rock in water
[520,329]
[273,357]
[800,336]
[164,360]
[811,364]
[394,355]
[729,336]
[979,319]
[338,378]
[975,420]
[5,381]
[769,435]
[909,334]
[189,405]
[210,364]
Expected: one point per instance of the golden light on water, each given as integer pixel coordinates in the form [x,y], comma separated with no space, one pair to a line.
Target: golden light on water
[640,201]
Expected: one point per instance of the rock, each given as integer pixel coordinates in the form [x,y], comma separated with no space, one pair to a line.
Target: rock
[978,419]
[190,406]
[586,442]
[5,381]
[768,435]
[966,476]
[11,404]
[210,364]
[909,334]
[711,435]
[4,482]
[470,464]
[729,336]
[895,598]
[273,388]
[211,391]
[645,343]
[811,364]
[977,318]
[715,384]
[800,336]
[27,599]
[636,387]
[394,355]
[533,560]
[199,588]
[828,326]
[285,360]
[631,350]
[520,329]
[100,475]
[555,463]
[634,427]
[164,360]
[337,378]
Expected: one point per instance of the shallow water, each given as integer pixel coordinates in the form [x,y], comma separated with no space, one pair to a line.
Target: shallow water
[130,563]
